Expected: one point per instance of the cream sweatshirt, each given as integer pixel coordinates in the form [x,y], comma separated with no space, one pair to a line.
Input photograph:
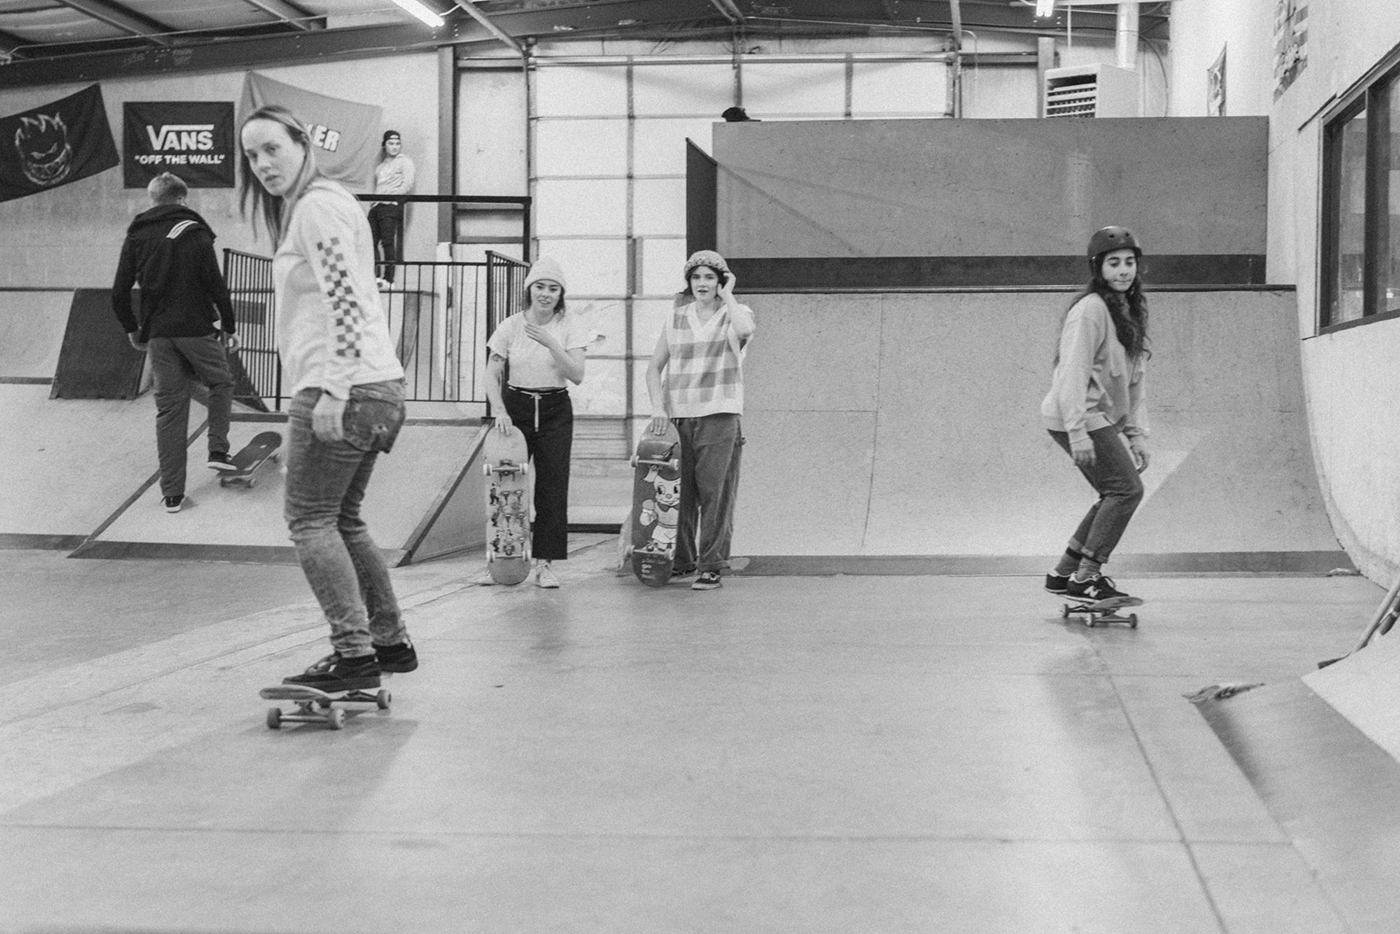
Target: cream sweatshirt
[1096,384]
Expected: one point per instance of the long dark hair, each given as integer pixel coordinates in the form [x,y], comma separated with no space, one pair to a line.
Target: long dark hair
[1128,310]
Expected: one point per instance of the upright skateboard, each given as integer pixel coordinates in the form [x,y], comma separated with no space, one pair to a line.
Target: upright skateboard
[1104,612]
[656,505]
[507,506]
[247,462]
[316,706]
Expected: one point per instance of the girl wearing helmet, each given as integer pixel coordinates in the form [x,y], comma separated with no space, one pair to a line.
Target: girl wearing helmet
[1096,402]
[701,353]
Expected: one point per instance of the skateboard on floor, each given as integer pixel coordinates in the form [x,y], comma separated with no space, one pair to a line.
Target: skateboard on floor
[656,505]
[316,706]
[247,462]
[507,506]
[1104,612]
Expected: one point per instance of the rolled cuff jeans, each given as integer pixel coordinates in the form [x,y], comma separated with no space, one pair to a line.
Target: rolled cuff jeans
[711,450]
[1115,477]
[326,483]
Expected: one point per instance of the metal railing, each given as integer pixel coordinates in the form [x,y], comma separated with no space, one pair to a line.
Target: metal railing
[440,316]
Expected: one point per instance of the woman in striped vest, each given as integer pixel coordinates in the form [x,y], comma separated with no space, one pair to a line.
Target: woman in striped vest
[696,378]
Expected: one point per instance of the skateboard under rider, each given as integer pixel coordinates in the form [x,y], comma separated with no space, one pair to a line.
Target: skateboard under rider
[656,505]
[1103,612]
[316,706]
[507,469]
[247,462]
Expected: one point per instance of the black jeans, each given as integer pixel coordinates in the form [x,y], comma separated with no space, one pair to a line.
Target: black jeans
[386,225]
[549,436]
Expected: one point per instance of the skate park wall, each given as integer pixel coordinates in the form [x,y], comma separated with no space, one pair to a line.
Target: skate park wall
[907,424]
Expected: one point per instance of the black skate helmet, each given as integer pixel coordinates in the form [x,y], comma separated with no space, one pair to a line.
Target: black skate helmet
[1113,238]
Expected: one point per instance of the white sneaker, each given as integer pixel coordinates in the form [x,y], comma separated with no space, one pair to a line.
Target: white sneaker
[544,577]
[384,285]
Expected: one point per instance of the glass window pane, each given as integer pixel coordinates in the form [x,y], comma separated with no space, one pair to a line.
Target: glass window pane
[1346,300]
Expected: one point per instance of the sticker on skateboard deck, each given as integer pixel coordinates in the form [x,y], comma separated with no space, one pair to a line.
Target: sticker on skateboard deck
[507,506]
[316,706]
[247,462]
[1104,612]
[656,505]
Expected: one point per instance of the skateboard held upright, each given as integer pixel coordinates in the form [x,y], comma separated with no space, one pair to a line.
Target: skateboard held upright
[656,505]
[507,506]
[247,462]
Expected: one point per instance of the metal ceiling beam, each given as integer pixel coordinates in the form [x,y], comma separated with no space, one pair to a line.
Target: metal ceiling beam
[291,15]
[491,27]
[114,14]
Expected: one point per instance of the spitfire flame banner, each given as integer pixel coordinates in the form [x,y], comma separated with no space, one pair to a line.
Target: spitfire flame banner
[191,139]
[55,144]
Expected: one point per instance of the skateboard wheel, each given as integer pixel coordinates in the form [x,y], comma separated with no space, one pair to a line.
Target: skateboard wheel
[335,718]
[633,461]
[274,718]
[1132,620]
[1064,611]
[1090,622]
[382,699]
[486,469]
[675,463]
[252,482]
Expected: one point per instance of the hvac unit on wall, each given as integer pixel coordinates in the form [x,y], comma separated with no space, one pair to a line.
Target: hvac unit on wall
[1091,91]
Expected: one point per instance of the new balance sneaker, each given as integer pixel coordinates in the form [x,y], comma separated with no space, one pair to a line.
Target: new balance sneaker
[708,580]
[397,658]
[1097,589]
[544,577]
[173,503]
[336,673]
[219,460]
[1056,584]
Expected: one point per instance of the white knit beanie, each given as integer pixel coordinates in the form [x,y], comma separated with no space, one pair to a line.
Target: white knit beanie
[546,268]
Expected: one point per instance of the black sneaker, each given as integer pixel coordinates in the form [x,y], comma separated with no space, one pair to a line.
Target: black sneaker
[1056,584]
[1097,589]
[173,503]
[219,461]
[334,673]
[708,580]
[398,658]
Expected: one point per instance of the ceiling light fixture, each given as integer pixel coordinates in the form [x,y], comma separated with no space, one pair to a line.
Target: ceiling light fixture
[417,9]
[1044,8]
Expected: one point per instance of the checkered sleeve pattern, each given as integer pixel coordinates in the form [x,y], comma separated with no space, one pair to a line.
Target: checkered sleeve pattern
[347,314]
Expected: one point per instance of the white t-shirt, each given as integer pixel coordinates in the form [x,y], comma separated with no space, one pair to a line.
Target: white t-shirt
[532,366]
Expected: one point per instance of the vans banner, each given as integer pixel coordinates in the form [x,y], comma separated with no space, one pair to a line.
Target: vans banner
[191,139]
[344,134]
[55,144]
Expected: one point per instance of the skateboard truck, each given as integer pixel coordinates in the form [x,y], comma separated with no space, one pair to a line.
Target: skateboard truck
[317,706]
[1095,615]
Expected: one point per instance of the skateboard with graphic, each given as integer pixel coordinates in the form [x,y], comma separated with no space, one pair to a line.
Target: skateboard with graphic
[656,505]
[506,462]
[313,705]
[247,462]
[1103,612]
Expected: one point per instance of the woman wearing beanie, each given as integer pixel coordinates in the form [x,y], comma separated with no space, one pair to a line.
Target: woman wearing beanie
[544,347]
[393,175]
[1097,401]
[701,354]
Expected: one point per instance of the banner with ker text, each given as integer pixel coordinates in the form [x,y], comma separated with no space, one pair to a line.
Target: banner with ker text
[191,139]
[344,134]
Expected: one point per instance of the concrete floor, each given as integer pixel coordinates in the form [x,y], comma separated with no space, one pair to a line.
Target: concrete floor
[843,754]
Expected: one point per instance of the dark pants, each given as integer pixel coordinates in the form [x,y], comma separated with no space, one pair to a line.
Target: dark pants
[549,436]
[711,448]
[175,363]
[386,225]
[1115,477]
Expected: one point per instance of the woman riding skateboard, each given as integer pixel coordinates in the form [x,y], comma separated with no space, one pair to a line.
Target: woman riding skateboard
[545,348]
[701,354]
[347,394]
[1097,400]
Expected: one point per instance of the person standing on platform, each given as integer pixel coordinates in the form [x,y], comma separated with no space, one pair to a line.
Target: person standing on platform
[393,175]
[696,378]
[186,322]
[347,392]
[544,347]
[1097,401]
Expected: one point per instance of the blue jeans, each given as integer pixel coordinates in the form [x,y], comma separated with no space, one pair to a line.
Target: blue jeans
[326,483]
[1115,477]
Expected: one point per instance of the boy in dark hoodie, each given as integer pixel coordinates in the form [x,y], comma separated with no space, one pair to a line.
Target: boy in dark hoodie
[186,318]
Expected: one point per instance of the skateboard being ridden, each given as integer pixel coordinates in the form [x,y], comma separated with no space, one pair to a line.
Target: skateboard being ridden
[656,506]
[245,465]
[313,705]
[1099,604]
[507,506]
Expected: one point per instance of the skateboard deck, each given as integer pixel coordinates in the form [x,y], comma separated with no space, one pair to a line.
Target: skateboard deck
[1104,612]
[247,462]
[316,706]
[656,505]
[507,507]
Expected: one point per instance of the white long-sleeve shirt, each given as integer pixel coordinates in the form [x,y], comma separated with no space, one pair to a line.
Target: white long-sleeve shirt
[394,176]
[1096,384]
[332,332]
